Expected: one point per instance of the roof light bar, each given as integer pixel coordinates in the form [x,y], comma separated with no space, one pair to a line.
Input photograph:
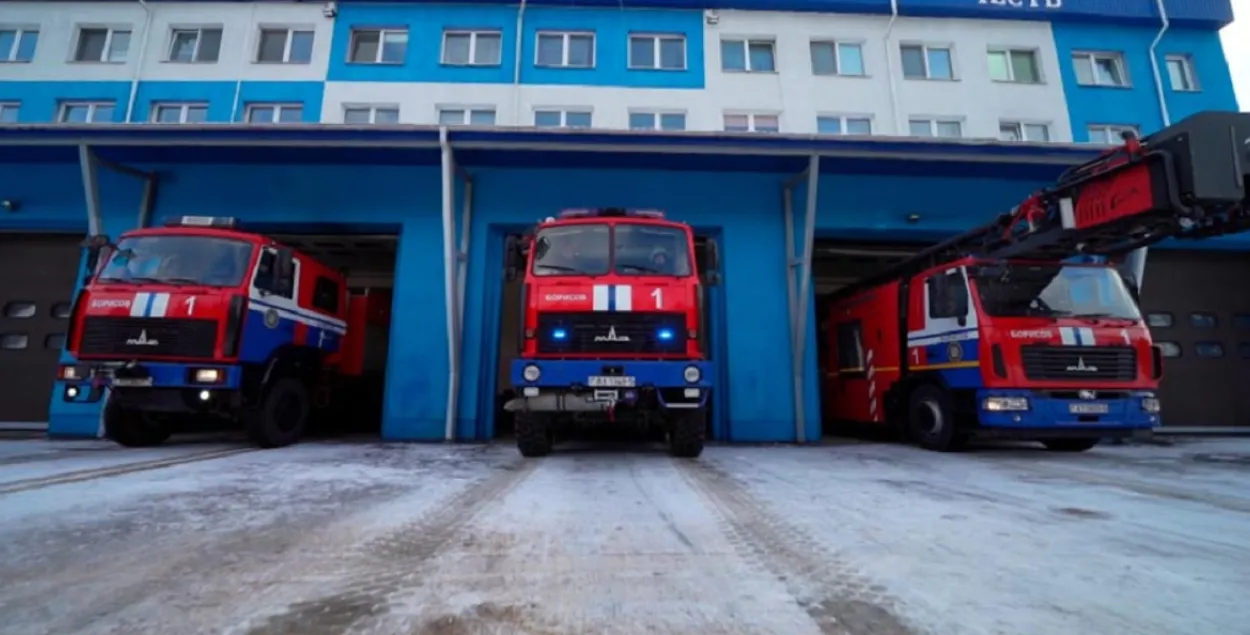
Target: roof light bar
[611,212]
[223,222]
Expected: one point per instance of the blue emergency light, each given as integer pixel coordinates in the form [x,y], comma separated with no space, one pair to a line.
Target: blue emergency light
[611,212]
[559,334]
[219,222]
[665,335]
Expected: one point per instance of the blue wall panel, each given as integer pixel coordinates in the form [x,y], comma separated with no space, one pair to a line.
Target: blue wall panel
[1138,103]
[40,100]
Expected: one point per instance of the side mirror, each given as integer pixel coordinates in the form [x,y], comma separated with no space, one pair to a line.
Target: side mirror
[511,258]
[1131,284]
[712,277]
[98,248]
[283,271]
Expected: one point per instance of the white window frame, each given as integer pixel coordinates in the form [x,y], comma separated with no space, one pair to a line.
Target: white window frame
[377,57]
[837,44]
[925,47]
[656,40]
[373,111]
[286,50]
[655,118]
[564,115]
[1190,77]
[474,34]
[1115,130]
[1021,126]
[184,108]
[752,120]
[277,107]
[112,30]
[842,119]
[933,121]
[466,113]
[746,41]
[1011,70]
[199,39]
[20,31]
[565,35]
[1090,57]
[16,106]
[62,109]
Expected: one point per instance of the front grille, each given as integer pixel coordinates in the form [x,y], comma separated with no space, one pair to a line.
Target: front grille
[611,332]
[129,337]
[1042,363]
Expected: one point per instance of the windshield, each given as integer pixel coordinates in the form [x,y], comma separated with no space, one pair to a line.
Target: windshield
[1053,291]
[587,249]
[200,260]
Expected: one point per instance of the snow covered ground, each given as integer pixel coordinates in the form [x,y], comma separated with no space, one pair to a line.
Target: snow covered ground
[845,539]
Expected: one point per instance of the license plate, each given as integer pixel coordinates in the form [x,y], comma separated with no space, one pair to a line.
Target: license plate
[1088,408]
[128,382]
[605,381]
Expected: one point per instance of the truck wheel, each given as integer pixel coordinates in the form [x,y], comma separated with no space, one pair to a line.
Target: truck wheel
[1069,445]
[282,415]
[686,433]
[133,428]
[931,422]
[533,434]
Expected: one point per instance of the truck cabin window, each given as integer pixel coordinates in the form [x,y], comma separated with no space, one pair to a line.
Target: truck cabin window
[594,249]
[191,260]
[1053,291]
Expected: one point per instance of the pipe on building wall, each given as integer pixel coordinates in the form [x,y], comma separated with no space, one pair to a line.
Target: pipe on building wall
[143,49]
[449,282]
[1135,262]
[238,83]
[889,69]
[516,64]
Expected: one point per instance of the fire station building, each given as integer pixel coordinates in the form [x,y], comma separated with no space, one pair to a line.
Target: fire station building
[815,141]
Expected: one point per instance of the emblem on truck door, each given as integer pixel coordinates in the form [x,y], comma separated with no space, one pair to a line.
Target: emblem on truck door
[611,336]
[142,340]
[1080,367]
[1087,394]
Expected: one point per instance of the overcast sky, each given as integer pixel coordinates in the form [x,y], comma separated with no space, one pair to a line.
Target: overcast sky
[1237,48]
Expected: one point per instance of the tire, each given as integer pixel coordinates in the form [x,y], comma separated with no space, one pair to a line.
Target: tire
[931,421]
[686,434]
[281,417]
[133,428]
[1069,445]
[533,434]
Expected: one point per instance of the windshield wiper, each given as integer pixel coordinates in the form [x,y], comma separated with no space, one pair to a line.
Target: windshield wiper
[130,280]
[179,281]
[559,268]
[642,268]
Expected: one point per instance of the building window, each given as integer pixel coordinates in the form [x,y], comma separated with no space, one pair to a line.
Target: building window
[657,52]
[17,44]
[944,128]
[466,116]
[1021,131]
[838,58]
[326,295]
[1100,69]
[657,121]
[1110,134]
[378,46]
[472,48]
[921,61]
[1169,349]
[1180,72]
[285,46]
[383,114]
[86,112]
[553,118]
[834,124]
[102,44]
[180,113]
[1159,320]
[1209,349]
[752,122]
[9,111]
[274,113]
[1014,65]
[748,56]
[195,45]
[565,50]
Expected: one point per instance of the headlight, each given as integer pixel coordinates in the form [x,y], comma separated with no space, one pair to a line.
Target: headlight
[207,376]
[531,373]
[70,373]
[1150,404]
[1005,404]
[691,374]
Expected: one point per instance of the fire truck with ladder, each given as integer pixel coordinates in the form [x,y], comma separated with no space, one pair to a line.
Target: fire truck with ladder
[200,320]
[999,332]
[613,330]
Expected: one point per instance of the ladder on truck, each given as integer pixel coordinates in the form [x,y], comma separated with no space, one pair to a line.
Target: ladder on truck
[1187,181]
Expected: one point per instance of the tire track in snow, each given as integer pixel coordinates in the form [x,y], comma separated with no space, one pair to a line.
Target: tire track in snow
[392,562]
[834,594]
[77,476]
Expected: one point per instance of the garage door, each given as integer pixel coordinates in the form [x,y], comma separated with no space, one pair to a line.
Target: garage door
[37,276]
[1198,306]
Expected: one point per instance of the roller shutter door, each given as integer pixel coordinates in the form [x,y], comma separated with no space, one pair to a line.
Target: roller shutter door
[1198,306]
[37,276]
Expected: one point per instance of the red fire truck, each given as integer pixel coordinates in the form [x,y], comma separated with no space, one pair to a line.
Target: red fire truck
[613,328]
[200,318]
[998,333]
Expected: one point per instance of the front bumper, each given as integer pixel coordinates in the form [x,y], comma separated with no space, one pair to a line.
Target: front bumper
[576,373]
[1060,413]
[91,379]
